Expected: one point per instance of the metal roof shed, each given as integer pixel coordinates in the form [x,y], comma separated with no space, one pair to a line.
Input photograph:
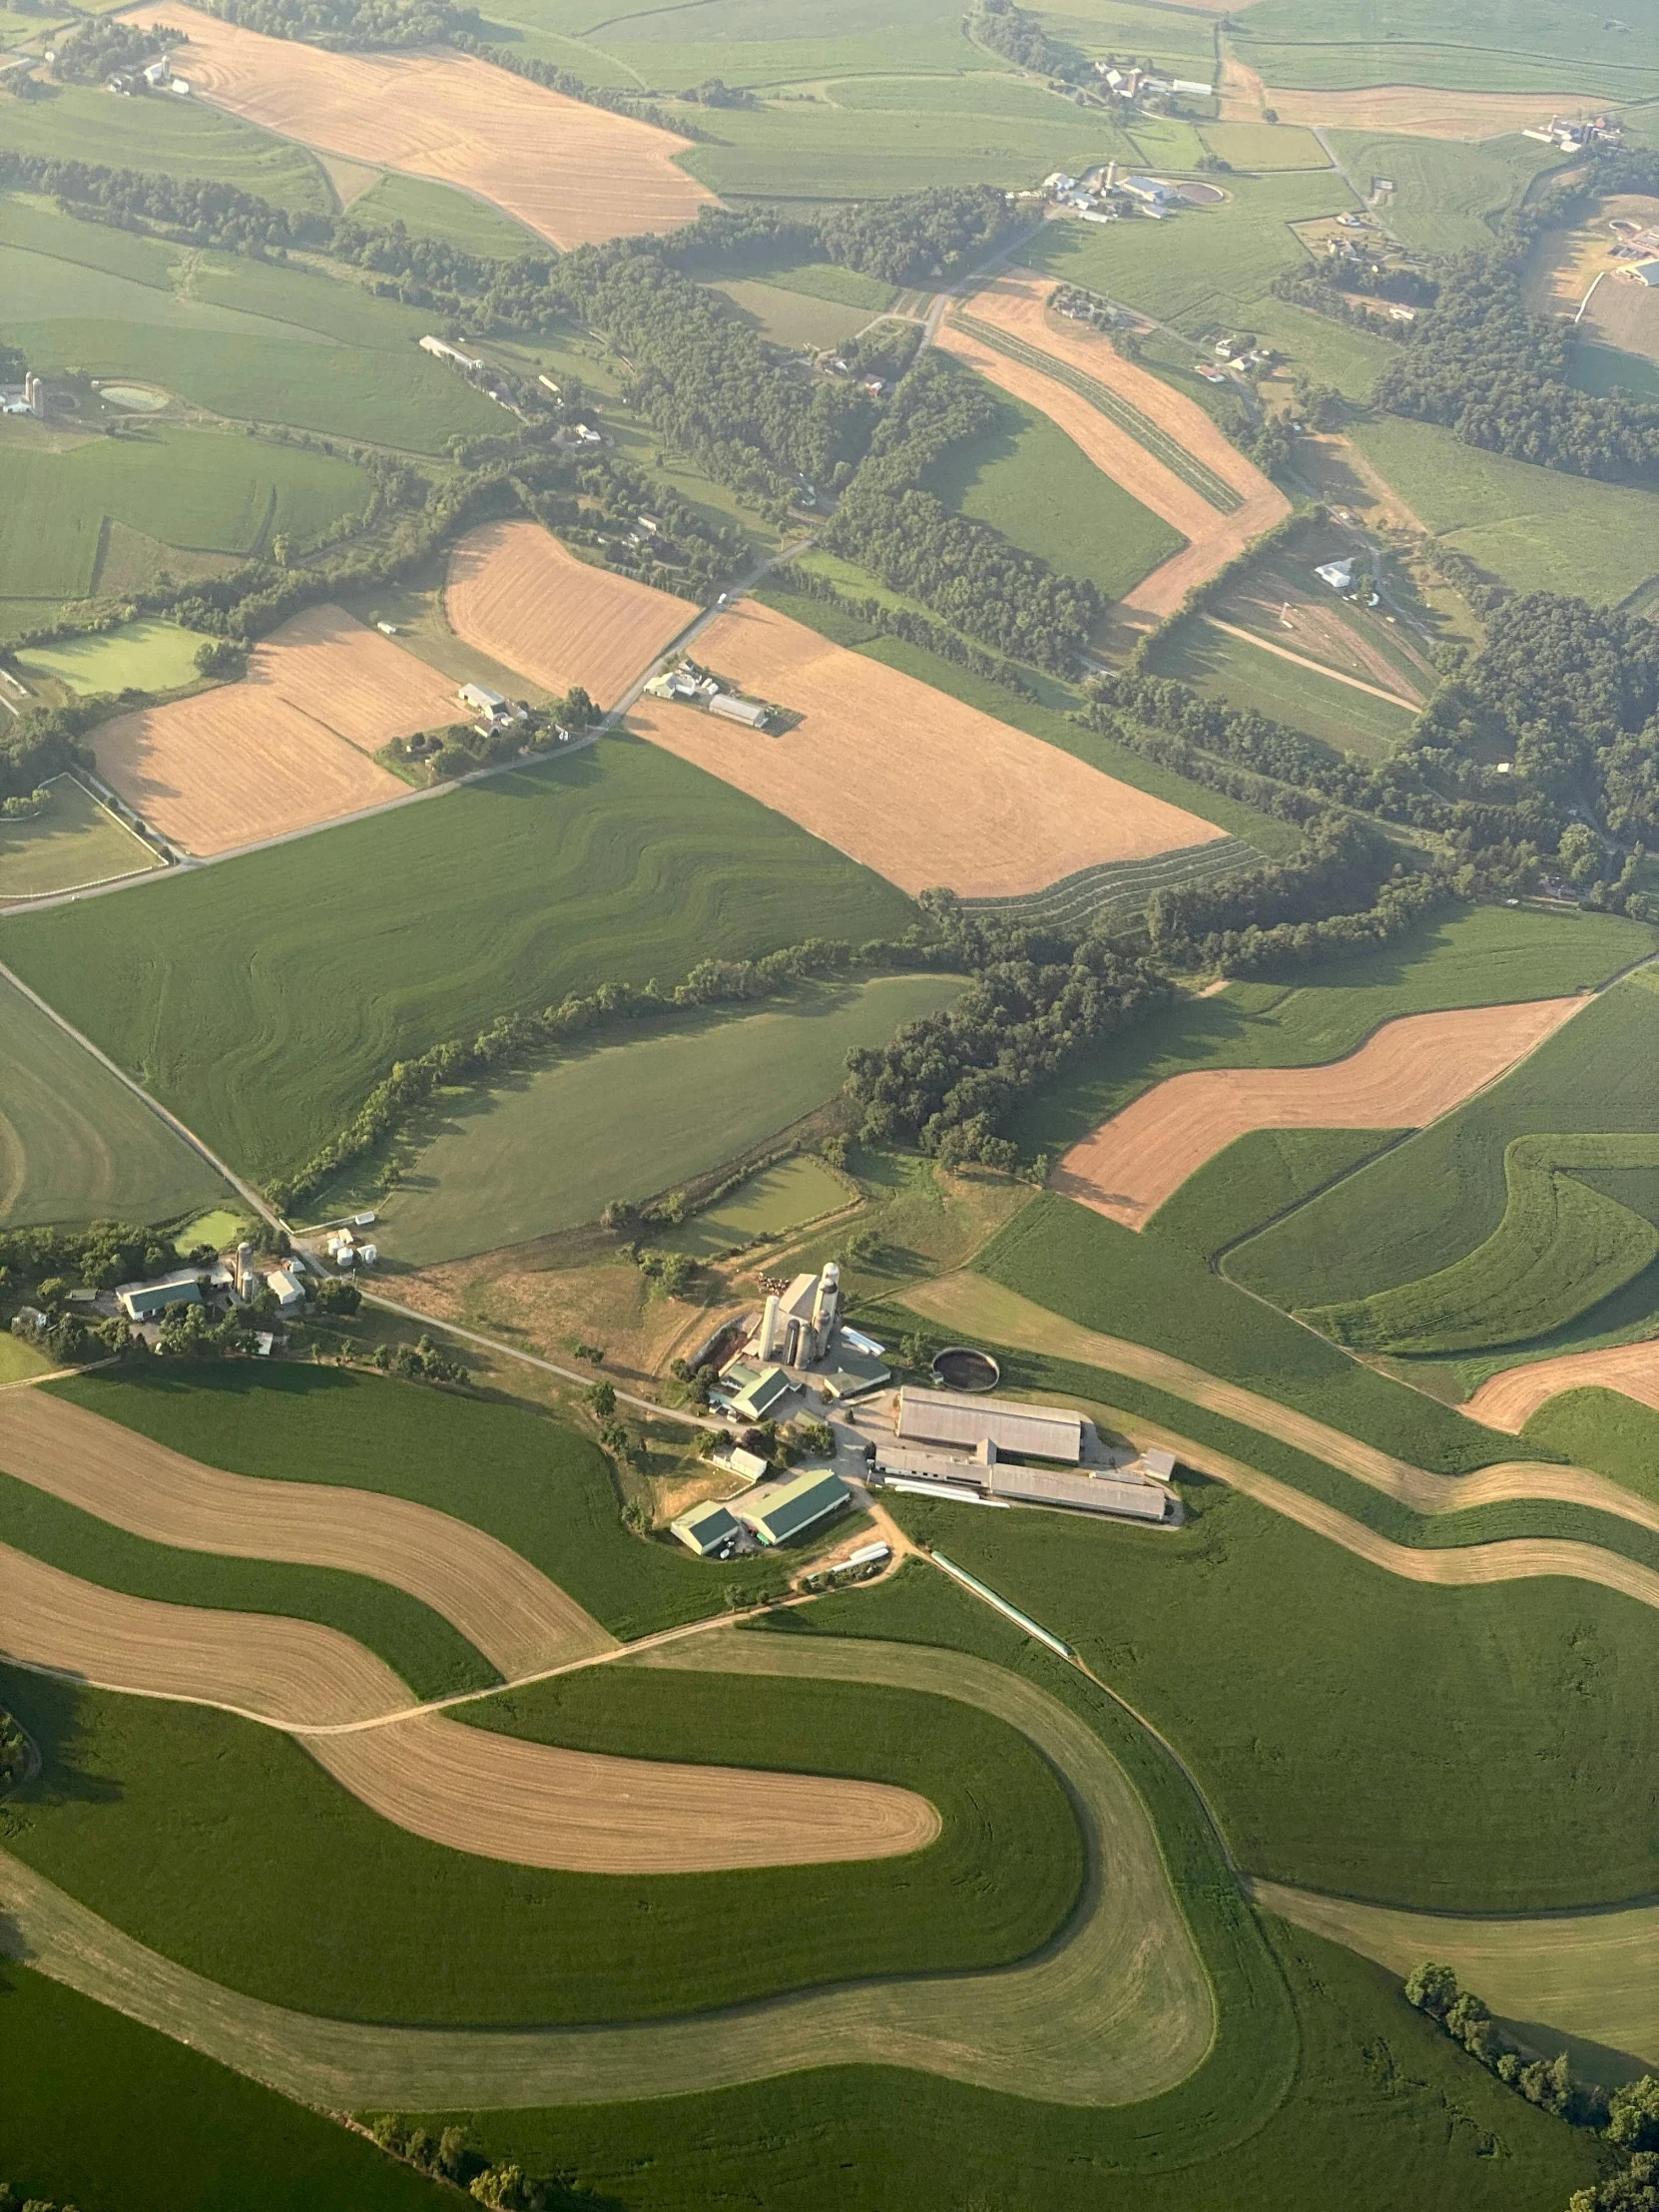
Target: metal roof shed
[706,1528]
[756,1399]
[955,1418]
[776,1513]
[1084,1494]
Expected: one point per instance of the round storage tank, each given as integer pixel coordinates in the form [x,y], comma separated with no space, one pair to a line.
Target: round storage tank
[961,1370]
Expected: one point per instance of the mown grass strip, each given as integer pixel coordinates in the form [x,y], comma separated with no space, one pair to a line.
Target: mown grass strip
[1220,494]
[1113,884]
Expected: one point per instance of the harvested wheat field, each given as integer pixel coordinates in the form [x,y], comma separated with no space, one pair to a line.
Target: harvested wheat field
[1583,1973]
[539,1805]
[910,781]
[1409,1072]
[293,1673]
[287,746]
[515,593]
[574,173]
[1509,1401]
[1018,305]
[506,1608]
[1417,111]
[973,1305]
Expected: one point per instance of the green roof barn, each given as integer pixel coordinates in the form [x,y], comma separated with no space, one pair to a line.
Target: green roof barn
[779,1511]
[706,1528]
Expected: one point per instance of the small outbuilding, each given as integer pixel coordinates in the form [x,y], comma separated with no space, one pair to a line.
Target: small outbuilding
[1338,574]
[754,713]
[708,1530]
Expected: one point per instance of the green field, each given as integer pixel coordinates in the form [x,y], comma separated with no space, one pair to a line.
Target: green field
[1605,368]
[1561,1247]
[222,1845]
[189,488]
[248,340]
[1331,353]
[797,1191]
[1454,67]
[184,138]
[137,656]
[1257,1177]
[76,1145]
[73,842]
[847,287]
[441,211]
[123,2119]
[1558,30]
[1206,266]
[547,1150]
[1434,1199]
[1228,668]
[1448,196]
[393,934]
[542,1490]
[416,1643]
[1537,529]
[1028,479]
[1603,1429]
[793,317]
[1263,144]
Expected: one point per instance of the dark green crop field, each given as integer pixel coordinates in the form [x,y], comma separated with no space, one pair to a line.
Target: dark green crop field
[1433,1199]
[1257,1177]
[420,1645]
[540,1487]
[389,935]
[1603,1429]
[1455,1750]
[119,2119]
[222,1845]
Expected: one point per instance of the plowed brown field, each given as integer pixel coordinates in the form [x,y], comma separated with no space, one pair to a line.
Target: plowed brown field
[283,749]
[915,785]
[1411,1071]
[294,1673]
[504,1606]
[1509,1401]
[1415,109]
[538,1805]
[515,593]
[1018,303]
[574,173]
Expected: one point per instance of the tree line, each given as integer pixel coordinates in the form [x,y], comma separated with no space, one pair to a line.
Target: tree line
[104,48]
[1020,38]
[962,569]
[867,617]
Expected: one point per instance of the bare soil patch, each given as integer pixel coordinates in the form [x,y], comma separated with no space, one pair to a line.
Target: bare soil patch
[515,593]
[1509,1401]
[1409,1072]
[1018,303]
[294,1673]
[284,747]
[504,1606]
[538,1805]
[1417,111]
[576,173]
[915,785]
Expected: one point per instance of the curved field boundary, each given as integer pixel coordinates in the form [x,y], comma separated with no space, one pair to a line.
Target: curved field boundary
[1221,495]
[514,592]
[1416,111]
[283,1672]
[1509,1401]
[541,1805]
[1118,884]
[974,1305]
[503,1606]
[1587,1975]
[1562,1247]
[1115,2010]
[575,174]
[1403,1076]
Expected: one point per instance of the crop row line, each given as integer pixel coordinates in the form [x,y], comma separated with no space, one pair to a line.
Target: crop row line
[1111,884]
[1203,479]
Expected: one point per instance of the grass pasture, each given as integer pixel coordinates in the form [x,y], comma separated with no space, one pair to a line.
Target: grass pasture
[793,317]
[192,489]
[1257,145]
[1449,196]
[393,934]
[85,2086]
[419,1644]
[771,1203]
[75,1144]
[183,138]
[1603,1429]
[137,656]
[1219,666]
[75,841]
[1028,479]
[445,213]
[1433,1199]
[547,1150]
[1537,529]
[222,1845]
[1561,1247]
